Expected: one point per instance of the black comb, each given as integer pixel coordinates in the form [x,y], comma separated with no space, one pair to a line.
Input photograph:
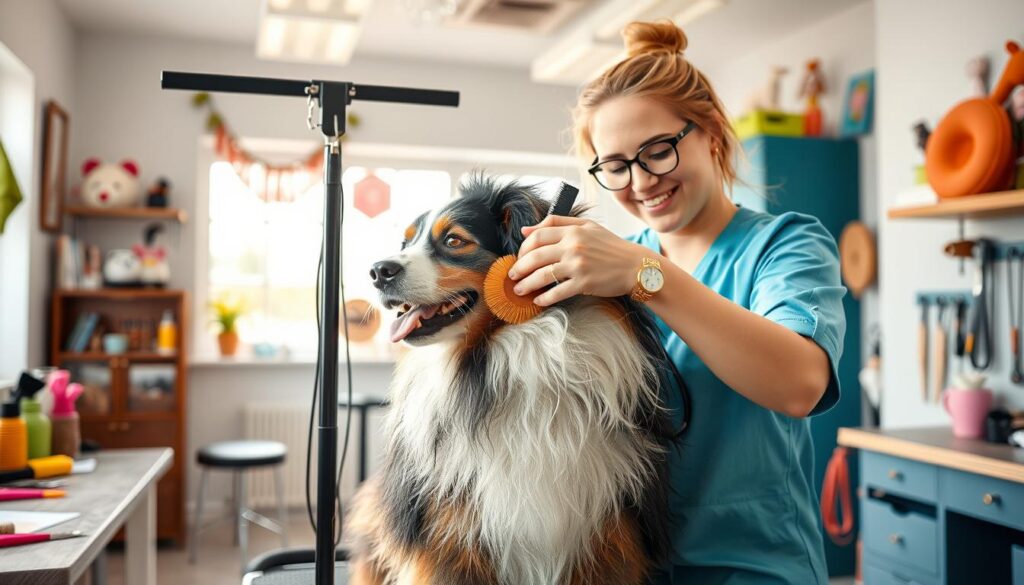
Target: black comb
[565,199]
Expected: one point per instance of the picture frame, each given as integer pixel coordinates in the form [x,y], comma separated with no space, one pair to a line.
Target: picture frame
[53,183]
[858,106]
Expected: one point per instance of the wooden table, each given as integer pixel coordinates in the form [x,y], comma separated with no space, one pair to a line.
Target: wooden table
[122,491]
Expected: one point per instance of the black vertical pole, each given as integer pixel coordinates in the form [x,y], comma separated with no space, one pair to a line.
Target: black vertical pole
[333,97]
[327,432]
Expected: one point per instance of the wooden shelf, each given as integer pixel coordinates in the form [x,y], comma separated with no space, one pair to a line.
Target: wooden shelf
[1001,204]
[141,356]
[150,213]
[119,293]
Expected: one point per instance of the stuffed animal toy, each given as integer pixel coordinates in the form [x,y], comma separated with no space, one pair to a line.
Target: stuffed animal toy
[157,196]
[122,268]
[766,97]
[154,270]
[108,185]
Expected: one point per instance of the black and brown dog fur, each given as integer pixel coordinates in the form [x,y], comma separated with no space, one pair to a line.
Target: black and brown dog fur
[418,521]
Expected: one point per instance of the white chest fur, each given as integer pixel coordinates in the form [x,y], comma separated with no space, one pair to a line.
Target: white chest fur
[559,450]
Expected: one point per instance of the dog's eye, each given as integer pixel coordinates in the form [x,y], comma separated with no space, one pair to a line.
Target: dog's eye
[454,242]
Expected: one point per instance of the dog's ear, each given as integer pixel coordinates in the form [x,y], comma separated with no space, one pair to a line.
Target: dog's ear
[517,208]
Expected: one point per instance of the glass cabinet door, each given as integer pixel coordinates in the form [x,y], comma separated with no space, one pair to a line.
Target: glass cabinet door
[96,379]
[152,387]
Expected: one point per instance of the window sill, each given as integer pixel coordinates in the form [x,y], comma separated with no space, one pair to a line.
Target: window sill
[251,361]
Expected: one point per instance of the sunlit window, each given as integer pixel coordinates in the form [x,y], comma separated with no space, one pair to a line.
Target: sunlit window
[267,252]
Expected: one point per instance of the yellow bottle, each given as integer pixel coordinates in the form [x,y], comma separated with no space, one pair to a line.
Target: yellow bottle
[13,438]
[167,334]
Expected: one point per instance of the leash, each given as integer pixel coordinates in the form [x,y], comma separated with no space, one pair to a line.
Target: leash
[836,490]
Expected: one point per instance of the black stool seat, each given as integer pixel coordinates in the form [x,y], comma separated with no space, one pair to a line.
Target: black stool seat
[242,453]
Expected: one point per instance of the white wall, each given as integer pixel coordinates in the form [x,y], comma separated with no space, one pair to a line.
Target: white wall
[41,37]
[123,113]
[922,47]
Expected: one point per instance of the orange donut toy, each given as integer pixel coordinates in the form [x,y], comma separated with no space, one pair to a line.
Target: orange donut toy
[971,150]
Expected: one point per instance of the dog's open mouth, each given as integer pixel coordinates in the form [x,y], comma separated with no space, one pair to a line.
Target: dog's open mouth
[422,320]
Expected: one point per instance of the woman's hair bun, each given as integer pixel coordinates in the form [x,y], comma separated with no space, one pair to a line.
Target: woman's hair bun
[650,37]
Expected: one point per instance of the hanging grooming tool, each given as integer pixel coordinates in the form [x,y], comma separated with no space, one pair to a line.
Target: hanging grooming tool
[1016,313]
[961,319]
[979,336]
[940,350]
[922,349]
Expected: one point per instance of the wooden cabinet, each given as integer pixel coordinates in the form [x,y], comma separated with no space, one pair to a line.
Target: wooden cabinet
[133,399]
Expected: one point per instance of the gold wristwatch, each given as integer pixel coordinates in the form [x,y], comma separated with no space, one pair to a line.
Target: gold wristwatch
[649,280]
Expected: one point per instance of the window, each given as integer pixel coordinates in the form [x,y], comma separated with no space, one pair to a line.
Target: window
[266,252]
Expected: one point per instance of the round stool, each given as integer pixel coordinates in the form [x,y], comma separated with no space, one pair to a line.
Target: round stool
[239,457]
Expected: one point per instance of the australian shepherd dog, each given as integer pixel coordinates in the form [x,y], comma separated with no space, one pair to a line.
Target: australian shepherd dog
[531,454]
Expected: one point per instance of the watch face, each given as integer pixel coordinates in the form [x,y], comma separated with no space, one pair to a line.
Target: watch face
[652,279]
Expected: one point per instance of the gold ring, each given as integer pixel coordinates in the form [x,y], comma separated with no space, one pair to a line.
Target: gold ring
[551,270]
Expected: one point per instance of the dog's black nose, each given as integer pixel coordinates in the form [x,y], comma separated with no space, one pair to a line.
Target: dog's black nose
[385,272]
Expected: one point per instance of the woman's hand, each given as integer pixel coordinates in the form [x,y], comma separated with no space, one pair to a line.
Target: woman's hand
[584,257]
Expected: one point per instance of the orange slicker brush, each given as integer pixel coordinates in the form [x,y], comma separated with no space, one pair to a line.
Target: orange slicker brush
[498,294]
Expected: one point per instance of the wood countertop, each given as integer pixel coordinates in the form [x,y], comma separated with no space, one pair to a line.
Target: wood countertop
[938,446]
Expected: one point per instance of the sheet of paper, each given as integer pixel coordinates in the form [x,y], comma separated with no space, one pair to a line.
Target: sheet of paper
[35,521]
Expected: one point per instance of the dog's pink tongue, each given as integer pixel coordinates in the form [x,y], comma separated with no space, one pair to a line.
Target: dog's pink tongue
[408,322]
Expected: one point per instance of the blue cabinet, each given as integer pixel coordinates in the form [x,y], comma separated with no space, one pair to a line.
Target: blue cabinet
[819,177]
[929,524]
[1018,565]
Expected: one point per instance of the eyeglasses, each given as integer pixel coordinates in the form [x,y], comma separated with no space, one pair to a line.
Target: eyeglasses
[657,158]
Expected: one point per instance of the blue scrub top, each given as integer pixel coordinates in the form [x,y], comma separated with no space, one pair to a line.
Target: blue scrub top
[744,505]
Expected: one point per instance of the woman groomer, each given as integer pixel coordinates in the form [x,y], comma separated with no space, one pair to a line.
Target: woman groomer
[749,306]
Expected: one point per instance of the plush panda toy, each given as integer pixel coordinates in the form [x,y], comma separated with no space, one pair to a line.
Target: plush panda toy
[108,185]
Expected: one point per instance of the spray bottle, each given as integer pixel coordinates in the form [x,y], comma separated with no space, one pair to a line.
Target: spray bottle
[36,423]
[67,434]
[13,431]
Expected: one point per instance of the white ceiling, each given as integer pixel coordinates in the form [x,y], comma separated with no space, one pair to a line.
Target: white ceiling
[730,32]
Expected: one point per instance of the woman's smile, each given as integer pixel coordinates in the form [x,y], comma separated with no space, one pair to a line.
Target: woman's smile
[658,203]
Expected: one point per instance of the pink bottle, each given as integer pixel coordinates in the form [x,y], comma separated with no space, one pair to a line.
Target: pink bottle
[968,409]
[67,434]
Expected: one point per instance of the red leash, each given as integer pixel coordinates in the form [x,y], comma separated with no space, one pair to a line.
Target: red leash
[837,486]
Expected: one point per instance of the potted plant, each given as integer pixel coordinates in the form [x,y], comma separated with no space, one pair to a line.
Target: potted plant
[226,314]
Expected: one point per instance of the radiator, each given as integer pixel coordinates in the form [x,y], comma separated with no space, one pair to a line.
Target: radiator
[287,422]
[284,422]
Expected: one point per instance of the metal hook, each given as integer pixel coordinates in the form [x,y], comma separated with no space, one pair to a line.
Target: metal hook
[312,92]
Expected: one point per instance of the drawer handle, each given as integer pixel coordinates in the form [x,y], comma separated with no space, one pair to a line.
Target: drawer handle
[989,499]
[896,539]
[895,475]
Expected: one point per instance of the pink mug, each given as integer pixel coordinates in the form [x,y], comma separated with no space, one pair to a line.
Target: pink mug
[968,409]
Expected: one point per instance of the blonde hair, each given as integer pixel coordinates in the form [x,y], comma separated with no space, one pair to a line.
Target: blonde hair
[655,68]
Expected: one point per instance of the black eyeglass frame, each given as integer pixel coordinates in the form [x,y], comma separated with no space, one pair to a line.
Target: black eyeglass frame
[672,141]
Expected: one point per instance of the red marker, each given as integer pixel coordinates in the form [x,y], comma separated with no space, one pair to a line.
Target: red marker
[30,537]
[8,494]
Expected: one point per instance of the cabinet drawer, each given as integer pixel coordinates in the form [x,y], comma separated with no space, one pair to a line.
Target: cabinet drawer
[988,498]
[907,537]
[901,476]
[879,576]
[126,434]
